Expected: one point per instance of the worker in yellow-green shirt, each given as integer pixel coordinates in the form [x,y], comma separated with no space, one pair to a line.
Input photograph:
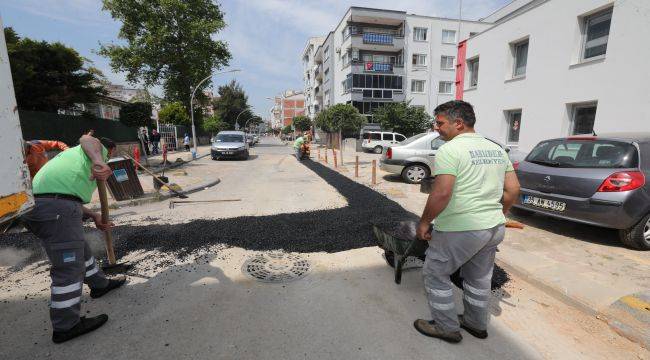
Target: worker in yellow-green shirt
[297,146]
[61,187]
[475,185]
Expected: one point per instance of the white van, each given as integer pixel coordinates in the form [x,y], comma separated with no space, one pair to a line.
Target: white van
[377,141]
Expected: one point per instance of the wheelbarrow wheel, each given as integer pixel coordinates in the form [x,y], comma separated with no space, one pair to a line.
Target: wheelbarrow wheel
[390,258]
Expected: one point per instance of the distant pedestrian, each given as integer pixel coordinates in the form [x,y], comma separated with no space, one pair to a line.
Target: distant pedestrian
[475,186]
[186,142]
[155,141]
[145,141]
[297,147]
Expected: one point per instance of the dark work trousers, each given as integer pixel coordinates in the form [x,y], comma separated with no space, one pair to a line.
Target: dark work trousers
[473,252]
[58,223]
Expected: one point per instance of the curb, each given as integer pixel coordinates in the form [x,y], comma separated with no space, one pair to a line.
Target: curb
[157,197]
[617,324]
[178,164]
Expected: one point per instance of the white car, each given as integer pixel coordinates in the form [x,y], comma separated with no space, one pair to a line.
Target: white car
[377,141]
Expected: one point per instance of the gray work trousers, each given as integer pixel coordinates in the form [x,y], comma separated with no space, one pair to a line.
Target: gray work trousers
[58,223]
[473,252]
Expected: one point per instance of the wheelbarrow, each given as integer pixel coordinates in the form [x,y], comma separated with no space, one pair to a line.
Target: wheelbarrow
[398,247]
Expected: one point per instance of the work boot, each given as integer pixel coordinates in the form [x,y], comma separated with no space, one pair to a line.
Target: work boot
[431,329]
[113,283]
[481,334]
[85,325]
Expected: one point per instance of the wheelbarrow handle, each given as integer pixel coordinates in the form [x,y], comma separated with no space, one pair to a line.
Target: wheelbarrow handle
[401,260]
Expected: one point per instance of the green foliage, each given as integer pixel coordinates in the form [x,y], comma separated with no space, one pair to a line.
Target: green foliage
[49,76]
[301,123]
[174,113]
[403,118]
[213,124]
[230,104]
[168,42]
[340,117]
[136,114]
[287,130]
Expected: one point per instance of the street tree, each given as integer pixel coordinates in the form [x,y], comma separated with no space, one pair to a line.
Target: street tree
[231,102]
[213,124]
[403,118]
[338,119]
[174,113]
[49,76]
[301,123]
[168,42]
[136,114]
[287,130]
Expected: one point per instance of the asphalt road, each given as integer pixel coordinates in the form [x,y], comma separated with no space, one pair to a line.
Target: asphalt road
[193,302]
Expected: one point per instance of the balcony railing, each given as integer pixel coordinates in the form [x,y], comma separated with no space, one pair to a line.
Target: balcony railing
[375,38]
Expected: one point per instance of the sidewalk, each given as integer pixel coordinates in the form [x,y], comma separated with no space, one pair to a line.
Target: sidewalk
[581,265]
[183,173]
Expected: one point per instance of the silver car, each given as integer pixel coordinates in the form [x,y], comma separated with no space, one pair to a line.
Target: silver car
[229,144]
[413,158]
[597,180]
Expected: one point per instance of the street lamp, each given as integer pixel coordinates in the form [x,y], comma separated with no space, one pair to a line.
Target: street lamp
[237,118]
[193,89]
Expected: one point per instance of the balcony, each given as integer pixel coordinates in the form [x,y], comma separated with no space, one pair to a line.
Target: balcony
[359,66]
[377,41]
[318,72]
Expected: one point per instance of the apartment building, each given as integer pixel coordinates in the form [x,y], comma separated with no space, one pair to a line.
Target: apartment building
[553,68]
[373,57]
[286,106]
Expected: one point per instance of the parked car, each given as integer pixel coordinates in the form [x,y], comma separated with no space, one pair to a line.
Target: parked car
[413,159]
[256,138]
[229,144]
[377,141]
[596,180]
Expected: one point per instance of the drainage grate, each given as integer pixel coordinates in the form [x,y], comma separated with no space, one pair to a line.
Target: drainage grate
[276,267]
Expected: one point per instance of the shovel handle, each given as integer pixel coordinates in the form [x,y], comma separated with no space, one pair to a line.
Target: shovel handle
[103,199]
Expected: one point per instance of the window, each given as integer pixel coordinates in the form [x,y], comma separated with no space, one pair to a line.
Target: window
[326,72]
[344,59]
[387,137]
[514,125]
[355,54]
[596,34]
[417,86]
[376,81]
[449,36]
[374,136]
[584,117]
[419,34]
[326,53]
[399,137]
[444,87]
[446,62]
[472,66]
[521,58]
[577,153]
[436,143]
[419,60]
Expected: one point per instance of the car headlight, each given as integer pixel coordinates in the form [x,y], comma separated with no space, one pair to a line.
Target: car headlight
[241,148]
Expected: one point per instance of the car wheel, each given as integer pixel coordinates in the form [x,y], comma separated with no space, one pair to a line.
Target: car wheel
[378,149]
[413,174]
[638,236]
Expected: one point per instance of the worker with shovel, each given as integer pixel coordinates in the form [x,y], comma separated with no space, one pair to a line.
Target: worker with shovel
[475,186]
[61,188]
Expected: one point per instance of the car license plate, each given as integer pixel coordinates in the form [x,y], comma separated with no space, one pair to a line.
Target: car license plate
[228,152]
[544,203]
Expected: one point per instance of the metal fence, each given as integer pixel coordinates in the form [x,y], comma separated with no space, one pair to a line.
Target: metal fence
[168,136]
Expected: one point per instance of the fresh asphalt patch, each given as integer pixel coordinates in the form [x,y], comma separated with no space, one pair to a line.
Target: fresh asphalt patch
[330,230]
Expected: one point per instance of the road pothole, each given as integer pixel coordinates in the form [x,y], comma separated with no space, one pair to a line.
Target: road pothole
[276,267]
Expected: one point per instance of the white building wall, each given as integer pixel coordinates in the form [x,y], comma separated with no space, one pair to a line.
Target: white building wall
[434,48]
[555,79]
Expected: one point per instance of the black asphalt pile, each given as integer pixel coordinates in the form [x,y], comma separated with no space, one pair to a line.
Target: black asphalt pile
[331,230]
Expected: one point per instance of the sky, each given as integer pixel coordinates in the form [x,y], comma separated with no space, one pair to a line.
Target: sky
[265,37]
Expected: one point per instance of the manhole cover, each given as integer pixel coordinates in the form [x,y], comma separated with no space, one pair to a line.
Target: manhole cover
[276,267]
